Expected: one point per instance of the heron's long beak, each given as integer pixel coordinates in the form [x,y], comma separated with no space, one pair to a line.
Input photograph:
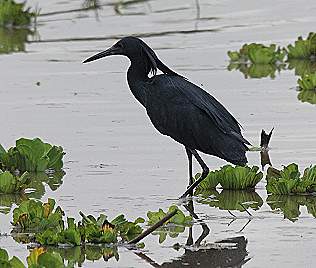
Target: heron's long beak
[108,52]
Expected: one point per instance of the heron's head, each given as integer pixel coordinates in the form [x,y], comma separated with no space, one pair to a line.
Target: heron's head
[133,48]
[137,51]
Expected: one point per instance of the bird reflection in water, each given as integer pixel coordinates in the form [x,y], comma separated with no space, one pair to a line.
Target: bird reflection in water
[230,252]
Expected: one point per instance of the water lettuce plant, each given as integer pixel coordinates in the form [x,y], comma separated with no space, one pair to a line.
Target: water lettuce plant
[13,40]
[100,230]
[10,184]
[35,216]
[257,54]
[6,262]
[210,182]
[51,229]
[258,61]
[303,48]
[307,82]
[239,178]
[231,199]
[31,155]
[179,218]
[307,96]
[289,180]
[232,178]
[173,227]
[14,14]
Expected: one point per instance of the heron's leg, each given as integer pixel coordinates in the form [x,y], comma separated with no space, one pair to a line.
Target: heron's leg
[189,153]
[205,171]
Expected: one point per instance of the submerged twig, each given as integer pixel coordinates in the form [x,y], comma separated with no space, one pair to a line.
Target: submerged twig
[245,209]
[231,213]
[243,228]
[153,228]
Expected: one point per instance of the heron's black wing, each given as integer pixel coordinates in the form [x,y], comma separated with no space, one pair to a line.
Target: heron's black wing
[206,102]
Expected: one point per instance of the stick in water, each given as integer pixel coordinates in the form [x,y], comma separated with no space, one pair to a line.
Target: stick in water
[153,228]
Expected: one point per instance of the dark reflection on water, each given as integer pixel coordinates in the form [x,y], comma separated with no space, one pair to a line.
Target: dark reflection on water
[231,252]
[302,67]
[250,70]
[231,199]
[79,255]
[14,40]
[290,205]
[256,70]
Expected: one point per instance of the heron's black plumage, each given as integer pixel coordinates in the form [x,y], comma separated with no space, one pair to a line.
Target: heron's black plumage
[179,108]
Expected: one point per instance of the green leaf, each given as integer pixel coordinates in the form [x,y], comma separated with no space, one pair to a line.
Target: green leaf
[289,180]
[32,155]
[7,183]
[2,152]
[71,236]
[233,55]
[229,177]
[51,260]
[4,256]
[16,263]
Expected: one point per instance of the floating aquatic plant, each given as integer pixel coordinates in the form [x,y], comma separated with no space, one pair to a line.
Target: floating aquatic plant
[233,178]
[31,155]
[102,231]
[290,181]
[10,184]
[258,61]
[303,48]
[172,227]
[307,96]
[36,216]
[307,82]
[178,218]
[239,178]
[210,182]
[50,228]
[6,262]
[13,40]
[14,14]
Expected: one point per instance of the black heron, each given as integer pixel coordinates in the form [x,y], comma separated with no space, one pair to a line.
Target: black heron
[179,108]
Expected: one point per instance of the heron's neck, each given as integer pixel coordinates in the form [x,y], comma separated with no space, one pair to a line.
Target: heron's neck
[137,77]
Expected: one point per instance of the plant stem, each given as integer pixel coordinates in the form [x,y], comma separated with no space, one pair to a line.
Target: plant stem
[153,228]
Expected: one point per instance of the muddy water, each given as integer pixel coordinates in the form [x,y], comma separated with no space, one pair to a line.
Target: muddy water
[117,162]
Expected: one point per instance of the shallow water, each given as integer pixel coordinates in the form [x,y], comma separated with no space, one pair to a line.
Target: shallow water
[116,162]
